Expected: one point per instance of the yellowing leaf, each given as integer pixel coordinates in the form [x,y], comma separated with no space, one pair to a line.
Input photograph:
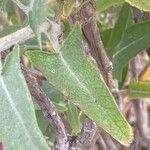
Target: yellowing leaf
[141,4]
[145,75]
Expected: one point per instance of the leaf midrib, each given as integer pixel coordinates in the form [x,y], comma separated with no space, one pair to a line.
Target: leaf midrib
[13,106]
[130,44]
[82,85]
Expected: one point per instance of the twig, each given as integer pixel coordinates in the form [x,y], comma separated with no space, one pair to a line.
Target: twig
[87,17]
[85,138]
[20,36]
[48,109]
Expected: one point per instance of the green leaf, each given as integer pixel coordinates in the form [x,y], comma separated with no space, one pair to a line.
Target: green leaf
[124,20]
[18,126]
[138,89]
[105,35]
[141,4]
[73,117]
[80,81]
[38,14]
[135,39]
[42,121]
[1,4]
[9,30]
[105,4]
[55,95]
[8,7]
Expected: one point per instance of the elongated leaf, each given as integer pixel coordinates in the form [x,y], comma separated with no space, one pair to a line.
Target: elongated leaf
[56,96]
[135,39]
[38,14]
[105,4]
[18,126]
[80,81]
[125,18]
[141,4]
[138,89]
[73,117]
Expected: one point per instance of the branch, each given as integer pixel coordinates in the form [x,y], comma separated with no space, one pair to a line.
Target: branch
[20,36]
[47,108]
[85,139]
[86,15]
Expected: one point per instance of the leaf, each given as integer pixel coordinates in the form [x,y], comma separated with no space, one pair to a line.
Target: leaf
[105,4]
[105,35]
[1,4]
[41,120]
[73,117]
[9,30]
[18,126]
[135,39]
[80,81]
[55,95]
[141,4]
[8,8]
[38,15]
[139,89]
[124,20]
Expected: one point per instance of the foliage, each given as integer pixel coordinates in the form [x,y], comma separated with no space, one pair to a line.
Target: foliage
[80,81]
[70,80]
[18,123]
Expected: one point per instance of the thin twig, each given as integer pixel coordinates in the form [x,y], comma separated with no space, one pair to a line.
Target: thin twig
[20,36]
[47,108]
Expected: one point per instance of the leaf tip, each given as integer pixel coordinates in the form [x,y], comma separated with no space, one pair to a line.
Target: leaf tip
[128,138]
